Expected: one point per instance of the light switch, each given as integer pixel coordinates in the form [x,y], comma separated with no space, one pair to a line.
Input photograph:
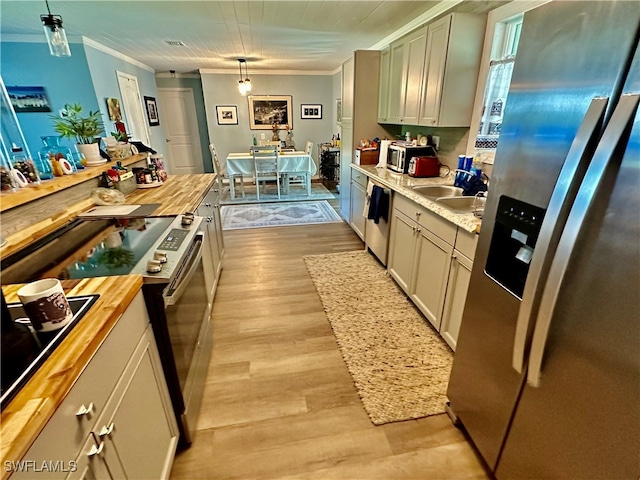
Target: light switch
[262,136]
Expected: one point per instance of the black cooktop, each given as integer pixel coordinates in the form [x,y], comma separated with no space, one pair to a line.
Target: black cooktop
[13,379]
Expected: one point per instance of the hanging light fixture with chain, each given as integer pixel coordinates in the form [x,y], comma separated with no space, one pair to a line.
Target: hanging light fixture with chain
[244,85]
[56,36]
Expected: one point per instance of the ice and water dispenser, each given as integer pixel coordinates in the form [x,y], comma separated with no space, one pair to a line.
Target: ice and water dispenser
[514,237]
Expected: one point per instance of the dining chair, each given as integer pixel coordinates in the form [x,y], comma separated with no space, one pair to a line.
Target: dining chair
[222,173]
[265,143]
[298,177]
[265,164]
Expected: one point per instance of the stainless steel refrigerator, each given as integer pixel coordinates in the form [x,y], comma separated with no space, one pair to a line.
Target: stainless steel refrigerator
[546,374]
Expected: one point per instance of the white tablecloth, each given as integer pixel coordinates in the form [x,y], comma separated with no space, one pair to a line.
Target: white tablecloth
[242,163]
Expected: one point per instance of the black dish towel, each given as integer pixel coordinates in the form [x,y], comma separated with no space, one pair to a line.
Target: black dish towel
[378,205]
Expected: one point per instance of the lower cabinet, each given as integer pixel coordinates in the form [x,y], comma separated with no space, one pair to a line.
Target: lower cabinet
[209,209]
[117,421]
[358,201]
[425,264]
[457,286]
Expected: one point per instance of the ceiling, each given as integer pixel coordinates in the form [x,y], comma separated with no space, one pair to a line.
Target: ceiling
[273,35]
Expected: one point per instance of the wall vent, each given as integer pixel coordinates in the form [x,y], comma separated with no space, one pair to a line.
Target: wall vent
[175,43]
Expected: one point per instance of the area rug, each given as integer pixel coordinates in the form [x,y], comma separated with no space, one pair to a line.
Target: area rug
[270,195]
[399,364]
[277,214]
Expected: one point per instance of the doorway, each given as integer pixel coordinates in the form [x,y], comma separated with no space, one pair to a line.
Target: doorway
[132,105]
[178,114]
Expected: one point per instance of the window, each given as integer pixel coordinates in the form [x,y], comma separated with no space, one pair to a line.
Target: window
[498,81]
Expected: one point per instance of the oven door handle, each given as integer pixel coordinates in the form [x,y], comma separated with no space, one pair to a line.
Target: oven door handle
[182,282]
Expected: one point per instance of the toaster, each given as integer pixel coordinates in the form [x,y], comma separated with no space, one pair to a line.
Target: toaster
[424,167]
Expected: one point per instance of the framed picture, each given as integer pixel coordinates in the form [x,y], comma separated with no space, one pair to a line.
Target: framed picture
[265,110]
[227,114]
[313,112]
[28,99]
[152,111]
[113,106]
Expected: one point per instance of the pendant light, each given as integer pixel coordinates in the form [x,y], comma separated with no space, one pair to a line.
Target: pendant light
[56,36]
[244,85]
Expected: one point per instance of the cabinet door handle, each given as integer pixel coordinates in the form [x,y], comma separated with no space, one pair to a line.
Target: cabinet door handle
[418,214]
[82,411]
[207,204]
[106,430]
[96,450]
[418,230]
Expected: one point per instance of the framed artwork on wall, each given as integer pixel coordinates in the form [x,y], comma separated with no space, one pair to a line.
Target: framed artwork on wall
[152,111]
[28,99]
[227,114]
[113,106]
[313,112]
[265,110]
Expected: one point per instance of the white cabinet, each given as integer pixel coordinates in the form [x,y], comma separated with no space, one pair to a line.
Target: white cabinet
[383,94]
[420,259]
[358,200]
[209,209]
[359,114]
[117,420]
[452,62]
[457,285]
[401,79]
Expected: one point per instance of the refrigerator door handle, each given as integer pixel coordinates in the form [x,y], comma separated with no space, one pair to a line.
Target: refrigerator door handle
[564,192]
[621,120]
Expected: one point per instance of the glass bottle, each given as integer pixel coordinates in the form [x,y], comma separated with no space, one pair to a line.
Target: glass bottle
[52,153]
[28,173]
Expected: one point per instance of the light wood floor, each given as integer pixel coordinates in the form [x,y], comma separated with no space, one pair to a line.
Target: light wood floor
[279,401]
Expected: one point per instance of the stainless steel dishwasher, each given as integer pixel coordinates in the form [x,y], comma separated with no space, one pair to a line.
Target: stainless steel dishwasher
[376,235]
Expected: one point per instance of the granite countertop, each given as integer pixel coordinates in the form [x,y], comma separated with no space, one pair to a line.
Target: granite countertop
[26,415]
[402,185]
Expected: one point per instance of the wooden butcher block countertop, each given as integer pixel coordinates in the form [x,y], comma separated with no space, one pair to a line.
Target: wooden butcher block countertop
[29,411]
[179,194]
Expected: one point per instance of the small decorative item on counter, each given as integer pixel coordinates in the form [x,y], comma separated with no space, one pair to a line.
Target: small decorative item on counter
[127,183]
[79,160]
[7,181]
[51,154]
[139,174]
[24,170]
[105,181]
[158,161]
[114,176]
[107,196]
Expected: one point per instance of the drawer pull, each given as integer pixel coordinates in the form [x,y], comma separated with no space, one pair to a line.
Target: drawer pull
[106,430]
[82,411]
[96,450]
[207,204]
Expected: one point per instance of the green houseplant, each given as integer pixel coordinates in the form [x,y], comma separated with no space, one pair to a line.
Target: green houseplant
[85,129]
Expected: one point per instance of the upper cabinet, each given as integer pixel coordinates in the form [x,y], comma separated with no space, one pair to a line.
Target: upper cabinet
[432,73]
[383,92]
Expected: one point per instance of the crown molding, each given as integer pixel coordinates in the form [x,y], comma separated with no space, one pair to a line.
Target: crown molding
[114,53]
[33,38]
[430,14]
[177,75]
[257,73]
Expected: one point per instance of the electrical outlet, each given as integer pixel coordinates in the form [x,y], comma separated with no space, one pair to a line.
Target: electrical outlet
[436,141]
[262,136]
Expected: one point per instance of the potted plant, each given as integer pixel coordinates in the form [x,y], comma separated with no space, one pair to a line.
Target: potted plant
[84,129]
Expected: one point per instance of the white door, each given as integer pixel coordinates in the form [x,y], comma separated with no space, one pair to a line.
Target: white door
[178,114]
[135,117]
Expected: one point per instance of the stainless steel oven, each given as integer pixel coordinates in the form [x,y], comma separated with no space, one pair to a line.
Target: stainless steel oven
[176,295]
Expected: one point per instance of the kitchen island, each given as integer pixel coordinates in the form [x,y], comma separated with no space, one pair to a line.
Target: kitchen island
[27,414]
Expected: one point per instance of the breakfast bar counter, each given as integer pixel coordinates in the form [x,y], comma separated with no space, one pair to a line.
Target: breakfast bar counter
[30,410]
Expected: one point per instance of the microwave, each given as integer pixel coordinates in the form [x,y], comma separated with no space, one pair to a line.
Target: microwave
[399,156]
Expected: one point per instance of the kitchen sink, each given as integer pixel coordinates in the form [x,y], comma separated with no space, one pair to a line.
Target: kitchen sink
[463,204]
[438,191]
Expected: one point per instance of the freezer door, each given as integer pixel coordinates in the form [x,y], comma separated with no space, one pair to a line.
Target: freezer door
[569,53]
[579,414]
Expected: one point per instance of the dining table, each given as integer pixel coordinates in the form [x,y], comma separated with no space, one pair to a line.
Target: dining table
[289,163]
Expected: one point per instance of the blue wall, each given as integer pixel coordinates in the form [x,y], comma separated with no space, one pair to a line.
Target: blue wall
[65,79]
[103,68]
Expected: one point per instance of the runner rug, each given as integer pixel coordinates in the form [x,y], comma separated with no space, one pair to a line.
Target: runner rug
[277,214]
[399,364]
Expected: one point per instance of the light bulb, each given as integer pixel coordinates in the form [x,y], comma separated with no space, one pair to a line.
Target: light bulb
[247,85]
[56,38]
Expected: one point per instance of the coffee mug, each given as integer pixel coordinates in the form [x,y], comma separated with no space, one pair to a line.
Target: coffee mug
[45,304]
